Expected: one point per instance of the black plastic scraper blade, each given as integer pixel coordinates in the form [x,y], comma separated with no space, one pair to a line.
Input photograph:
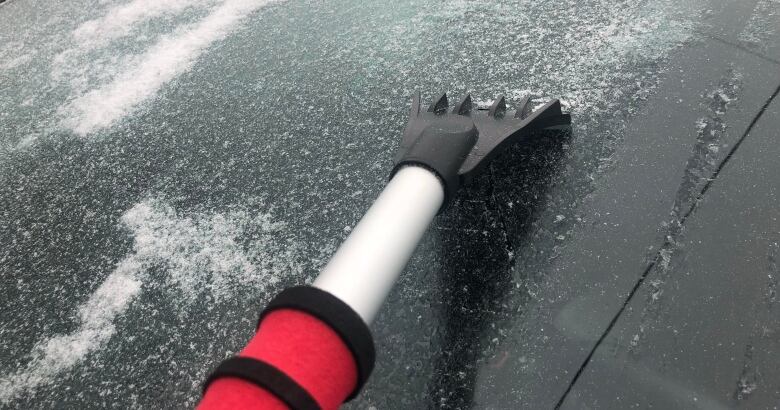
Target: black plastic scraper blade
[497,130]
[457,144]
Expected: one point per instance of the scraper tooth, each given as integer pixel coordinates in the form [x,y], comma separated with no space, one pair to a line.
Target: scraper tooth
[498,108]
[549,116]
[440,106]
[464,106]
[551,109]
[524,108]
[415,104]
[415,110]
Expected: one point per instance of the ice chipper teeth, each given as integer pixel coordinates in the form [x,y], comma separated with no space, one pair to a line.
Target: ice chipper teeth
[498,130]
[415,109]
[440,105]
[498,109]
[524,108]
[436,119]
[464,106]
[458,144]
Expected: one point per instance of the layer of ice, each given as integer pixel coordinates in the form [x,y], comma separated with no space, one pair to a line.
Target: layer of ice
[101,65]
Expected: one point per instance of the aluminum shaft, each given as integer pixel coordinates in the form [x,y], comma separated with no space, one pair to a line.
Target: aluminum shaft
[368,263]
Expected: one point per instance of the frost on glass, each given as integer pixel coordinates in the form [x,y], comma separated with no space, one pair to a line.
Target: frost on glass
[168,165]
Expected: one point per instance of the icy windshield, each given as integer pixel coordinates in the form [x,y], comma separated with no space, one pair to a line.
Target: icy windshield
[167,166]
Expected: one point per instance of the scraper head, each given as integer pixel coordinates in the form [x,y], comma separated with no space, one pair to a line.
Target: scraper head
[457,143]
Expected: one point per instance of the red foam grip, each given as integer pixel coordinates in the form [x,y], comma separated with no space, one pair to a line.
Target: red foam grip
[303,347]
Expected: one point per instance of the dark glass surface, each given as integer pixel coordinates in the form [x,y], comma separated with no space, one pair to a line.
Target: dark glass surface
[167,168]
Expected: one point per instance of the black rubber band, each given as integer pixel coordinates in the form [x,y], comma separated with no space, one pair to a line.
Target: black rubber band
[268,377]
[339,317]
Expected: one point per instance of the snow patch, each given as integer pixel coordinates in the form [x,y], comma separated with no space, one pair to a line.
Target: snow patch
[203,252]
[146,74]
[762,26]
[195,254]
[57,354]
[122,19]
[17,61]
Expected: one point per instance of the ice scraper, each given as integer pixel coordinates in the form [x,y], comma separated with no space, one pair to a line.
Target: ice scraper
[313,348]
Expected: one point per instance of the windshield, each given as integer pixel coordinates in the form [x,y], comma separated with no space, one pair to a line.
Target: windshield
[167,166]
